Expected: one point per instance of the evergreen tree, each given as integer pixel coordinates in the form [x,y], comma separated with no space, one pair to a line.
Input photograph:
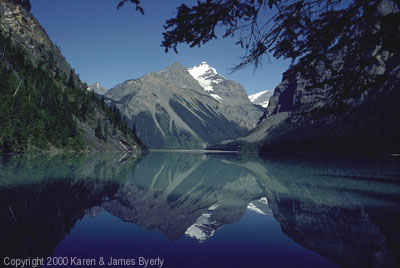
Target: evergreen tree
[102,103]
[105,131]
[71,80]
[116,116]
[38,108]
[98,132]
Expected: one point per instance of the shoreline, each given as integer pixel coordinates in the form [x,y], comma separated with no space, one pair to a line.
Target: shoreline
[195,151]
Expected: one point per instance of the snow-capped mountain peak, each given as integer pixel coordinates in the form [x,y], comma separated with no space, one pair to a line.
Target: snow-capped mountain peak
[203,70]
[205,75]
[261,98]
[204,227]
[256,95]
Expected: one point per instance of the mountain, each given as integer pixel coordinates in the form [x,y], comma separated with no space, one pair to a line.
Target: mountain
[185,108]
[261,98]
[324,117]
[185,194]
[260,206]
[97,88]
[319,201]
[44,106]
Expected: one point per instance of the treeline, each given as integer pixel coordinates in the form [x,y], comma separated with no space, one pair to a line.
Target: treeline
[118,122]
[40,105]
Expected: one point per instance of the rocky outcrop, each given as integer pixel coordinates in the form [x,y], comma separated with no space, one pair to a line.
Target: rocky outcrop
[26,31]
[97,88]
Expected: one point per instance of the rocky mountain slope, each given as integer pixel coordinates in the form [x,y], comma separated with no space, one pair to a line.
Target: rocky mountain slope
[44,104]
[360,117]
[261,98]
[185,108]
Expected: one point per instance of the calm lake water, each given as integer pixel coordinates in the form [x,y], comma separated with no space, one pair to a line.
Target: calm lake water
[200,210]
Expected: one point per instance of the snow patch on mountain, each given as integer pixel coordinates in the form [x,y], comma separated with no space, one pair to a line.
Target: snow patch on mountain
[260,206]
[255,96]
[205,74]
[204,227]
[253,207]
[263,200]
[264,103]
[215,96]
[261,98]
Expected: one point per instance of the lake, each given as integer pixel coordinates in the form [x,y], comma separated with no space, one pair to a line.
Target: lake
[199,210]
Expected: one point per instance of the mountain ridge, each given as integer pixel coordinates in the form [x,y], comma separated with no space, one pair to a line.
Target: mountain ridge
[171,109]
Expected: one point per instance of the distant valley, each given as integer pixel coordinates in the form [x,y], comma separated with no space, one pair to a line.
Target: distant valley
[46,106]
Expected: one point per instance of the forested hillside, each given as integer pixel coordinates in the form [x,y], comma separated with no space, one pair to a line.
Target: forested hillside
[43,104]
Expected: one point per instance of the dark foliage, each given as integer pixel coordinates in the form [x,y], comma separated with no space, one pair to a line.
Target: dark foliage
[25,3]
[118,122]
[39,109]
[310,32]
[36,109]
[98,132]
[288,29]
[135,2]
[371,128]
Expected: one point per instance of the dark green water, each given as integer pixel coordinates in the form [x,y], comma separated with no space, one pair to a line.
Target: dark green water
[200,210]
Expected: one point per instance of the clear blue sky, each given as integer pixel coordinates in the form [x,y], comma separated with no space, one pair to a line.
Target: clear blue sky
[109,46]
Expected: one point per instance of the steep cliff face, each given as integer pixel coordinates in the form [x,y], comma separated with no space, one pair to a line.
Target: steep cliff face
[180,108]
[26,31]
[317,113]
[356,120]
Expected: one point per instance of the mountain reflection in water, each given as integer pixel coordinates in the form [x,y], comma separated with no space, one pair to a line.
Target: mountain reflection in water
[346,209]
